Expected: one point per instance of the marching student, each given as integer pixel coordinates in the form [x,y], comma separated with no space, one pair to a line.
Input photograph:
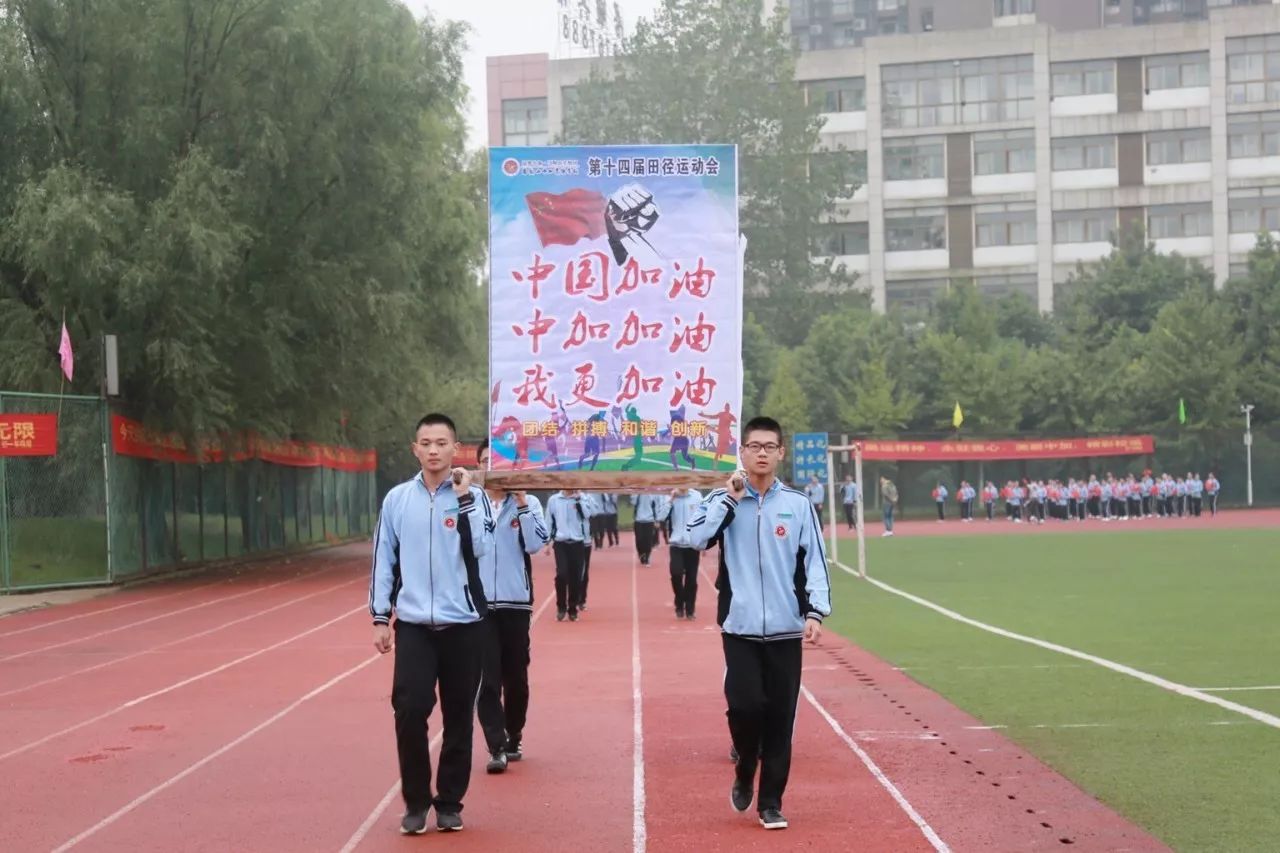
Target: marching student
[431,533]
[989,495]
[817,496]
[1211,488]
[1195,491]
[680,510]
[507,575]
[648,509]
[940,499]
[569,535]
[610,503]
[849,499]
[591,505]
[773,591]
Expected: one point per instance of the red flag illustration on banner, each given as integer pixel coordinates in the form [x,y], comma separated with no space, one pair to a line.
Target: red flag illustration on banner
[568,217]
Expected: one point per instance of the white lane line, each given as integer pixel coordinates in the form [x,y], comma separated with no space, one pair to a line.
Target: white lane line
[225,748]
[148,600]
[364,608]
[1228,689]
[255,615]
[1172,686]
[166,615]
[385,803]
[639,837]
[930,835]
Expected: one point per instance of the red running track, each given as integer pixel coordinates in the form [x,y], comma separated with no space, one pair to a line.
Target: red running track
[250,713]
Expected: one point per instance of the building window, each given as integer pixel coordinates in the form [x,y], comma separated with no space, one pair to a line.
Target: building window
[1253,69]
[998,286]
[1084,152]
[846,95]
[1084,226]
[1004,225]
[915,230]
[1166,221]
[1177,71]
[841,238]
[1005,8]
[1253,210]
[1097,77]
[524,121]
[915,159]
[1253,135]
[914,293]
[1004,153]
[1178,146]
[970,91]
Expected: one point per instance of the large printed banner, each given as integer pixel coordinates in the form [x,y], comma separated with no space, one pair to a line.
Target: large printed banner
[615,308]
[1047,448]
[28,435]
[130,438]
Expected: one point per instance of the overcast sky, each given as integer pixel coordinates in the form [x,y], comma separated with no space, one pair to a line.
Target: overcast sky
[505,26]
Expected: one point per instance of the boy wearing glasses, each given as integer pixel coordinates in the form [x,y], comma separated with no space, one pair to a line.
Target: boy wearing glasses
[773,591]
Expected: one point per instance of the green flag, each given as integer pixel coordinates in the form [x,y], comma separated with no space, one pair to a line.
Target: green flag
[1182,411]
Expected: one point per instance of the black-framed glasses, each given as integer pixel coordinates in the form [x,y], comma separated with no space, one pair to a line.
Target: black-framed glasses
[757,447]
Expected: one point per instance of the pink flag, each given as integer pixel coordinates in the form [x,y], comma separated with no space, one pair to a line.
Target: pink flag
[65,356]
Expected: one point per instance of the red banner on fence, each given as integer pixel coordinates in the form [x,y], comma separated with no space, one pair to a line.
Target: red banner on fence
[130,438]
[1039,448]
[28,435]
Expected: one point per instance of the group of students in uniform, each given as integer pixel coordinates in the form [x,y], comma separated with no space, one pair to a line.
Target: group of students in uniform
[451,591]
[1109,498]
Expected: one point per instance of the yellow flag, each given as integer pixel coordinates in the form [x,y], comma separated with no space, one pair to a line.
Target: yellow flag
[957,417]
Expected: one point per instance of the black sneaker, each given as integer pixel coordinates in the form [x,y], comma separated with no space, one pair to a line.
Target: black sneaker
[497,762]
[560,615]
[414,823]
[448,821]
[689,615]
[582,608]
[772,819]
[740,795]
[513,749]
[679,612]
[573,617]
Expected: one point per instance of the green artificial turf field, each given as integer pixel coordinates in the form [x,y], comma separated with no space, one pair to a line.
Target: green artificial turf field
[1200,608]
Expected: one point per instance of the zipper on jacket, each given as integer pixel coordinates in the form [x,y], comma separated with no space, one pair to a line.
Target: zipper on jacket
[431,559]
[764,614]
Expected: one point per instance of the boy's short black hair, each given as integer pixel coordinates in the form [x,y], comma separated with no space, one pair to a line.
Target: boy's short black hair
[761,423]
[435,419]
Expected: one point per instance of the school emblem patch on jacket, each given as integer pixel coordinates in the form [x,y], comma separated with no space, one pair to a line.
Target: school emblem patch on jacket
[449,522]
[780,531]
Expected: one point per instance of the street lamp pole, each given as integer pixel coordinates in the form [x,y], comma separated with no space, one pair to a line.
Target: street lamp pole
[1247,408]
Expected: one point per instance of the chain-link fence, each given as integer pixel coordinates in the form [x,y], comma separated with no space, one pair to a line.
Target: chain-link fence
[1221,452]
[89,516]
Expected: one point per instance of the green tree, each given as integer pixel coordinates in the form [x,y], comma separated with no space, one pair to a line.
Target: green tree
[785,401]
[1192,354]
[1127,288]
[1254,306]
[854,361]
[703,72]
[269,201]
